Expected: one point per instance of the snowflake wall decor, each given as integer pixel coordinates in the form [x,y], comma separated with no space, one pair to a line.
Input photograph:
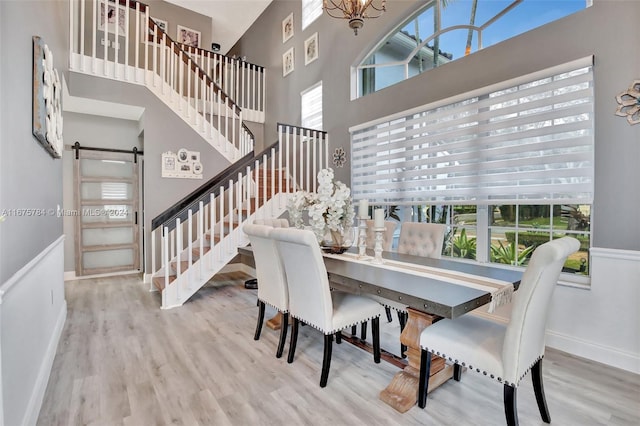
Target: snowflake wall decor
[629,103]
[339,157]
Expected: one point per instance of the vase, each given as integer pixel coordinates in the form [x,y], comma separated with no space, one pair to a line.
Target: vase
[341,240]
[337,239]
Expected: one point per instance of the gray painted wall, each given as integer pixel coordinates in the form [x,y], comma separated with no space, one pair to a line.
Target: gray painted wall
[32,310]
[163,131]
[175,15]
[90,131]
[29,176]
[617,63]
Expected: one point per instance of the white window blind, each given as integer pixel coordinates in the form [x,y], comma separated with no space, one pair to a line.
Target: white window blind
[311,107]
[527,140]
[311,10]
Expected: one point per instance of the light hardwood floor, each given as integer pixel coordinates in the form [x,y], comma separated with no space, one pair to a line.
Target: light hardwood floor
[123,361]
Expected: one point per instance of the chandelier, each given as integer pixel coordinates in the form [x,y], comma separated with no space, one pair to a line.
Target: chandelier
[354,10]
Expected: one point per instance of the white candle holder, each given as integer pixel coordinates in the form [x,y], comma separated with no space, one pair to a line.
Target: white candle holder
[362,237]
[377,259]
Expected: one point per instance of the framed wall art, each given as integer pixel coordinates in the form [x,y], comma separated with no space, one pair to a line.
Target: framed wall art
[182,165]
[110,18]
[47,100]
[161,23]
[188,36]
[287,27]
[164,25]
[311,49]
[288,61]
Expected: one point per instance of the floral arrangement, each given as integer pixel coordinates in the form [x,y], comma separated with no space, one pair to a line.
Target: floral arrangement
[297,203]
[331,208]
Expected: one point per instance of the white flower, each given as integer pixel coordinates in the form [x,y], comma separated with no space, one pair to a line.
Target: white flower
[330,208]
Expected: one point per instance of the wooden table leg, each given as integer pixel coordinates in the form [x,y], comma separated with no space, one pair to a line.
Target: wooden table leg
[275,322]
[402,392]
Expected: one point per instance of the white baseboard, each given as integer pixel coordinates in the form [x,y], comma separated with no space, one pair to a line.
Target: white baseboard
[593,351]
[71,275]
[237,267]
[35,402]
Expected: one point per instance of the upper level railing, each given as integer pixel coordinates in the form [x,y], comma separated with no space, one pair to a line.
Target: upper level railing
[242,80]
[119,40]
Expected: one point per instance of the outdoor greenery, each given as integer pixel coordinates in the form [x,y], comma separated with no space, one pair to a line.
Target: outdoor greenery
[509,254]
[531,225]
[534,238]
[462,246]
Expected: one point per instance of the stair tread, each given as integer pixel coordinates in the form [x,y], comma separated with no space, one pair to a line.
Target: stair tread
[196,250]
[159,282]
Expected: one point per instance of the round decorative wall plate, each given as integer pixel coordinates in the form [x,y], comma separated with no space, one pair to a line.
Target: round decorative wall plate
[339,157]
[629,103]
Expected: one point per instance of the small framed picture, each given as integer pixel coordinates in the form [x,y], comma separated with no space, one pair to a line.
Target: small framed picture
[287,62]
[311,49]
[111,19]
[188,36]
[162,24]
[287,27]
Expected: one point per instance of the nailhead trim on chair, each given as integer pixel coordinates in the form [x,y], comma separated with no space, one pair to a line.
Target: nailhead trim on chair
[334,331]
[274,307]
[395,308]
[477,370]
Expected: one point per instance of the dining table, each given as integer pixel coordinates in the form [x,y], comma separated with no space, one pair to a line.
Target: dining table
[432,290]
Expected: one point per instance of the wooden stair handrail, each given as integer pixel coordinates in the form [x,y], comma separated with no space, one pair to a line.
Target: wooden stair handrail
[168,41]
[299,130]
[243,63]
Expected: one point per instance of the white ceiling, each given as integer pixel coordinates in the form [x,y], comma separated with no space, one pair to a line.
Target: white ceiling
[230,19]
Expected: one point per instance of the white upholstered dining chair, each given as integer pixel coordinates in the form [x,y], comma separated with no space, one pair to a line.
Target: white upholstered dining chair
[387,236]
[417,239]
[252,283]
[422,239]
[311,299]
[273,289]
[503,352]
[273,222]
[387,243]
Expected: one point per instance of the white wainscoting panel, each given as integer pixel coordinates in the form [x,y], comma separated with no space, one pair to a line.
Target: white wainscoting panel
[603,322]
[32,315]
[600,322]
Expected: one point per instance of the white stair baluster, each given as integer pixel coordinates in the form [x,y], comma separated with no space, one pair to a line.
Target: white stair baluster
[178,235]
[201,224]
[273,181]
[154,253]
[212,209]
[165,263]
[221,222]
[230,216]
[190,248]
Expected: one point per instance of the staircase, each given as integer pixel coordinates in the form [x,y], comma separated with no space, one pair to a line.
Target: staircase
[134,49]
[192,240]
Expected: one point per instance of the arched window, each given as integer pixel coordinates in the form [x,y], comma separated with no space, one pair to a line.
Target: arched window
[453,29]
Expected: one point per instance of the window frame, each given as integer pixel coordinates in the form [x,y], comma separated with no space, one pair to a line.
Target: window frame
[366,153]
[311,11]
[362,67]
[304,121]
